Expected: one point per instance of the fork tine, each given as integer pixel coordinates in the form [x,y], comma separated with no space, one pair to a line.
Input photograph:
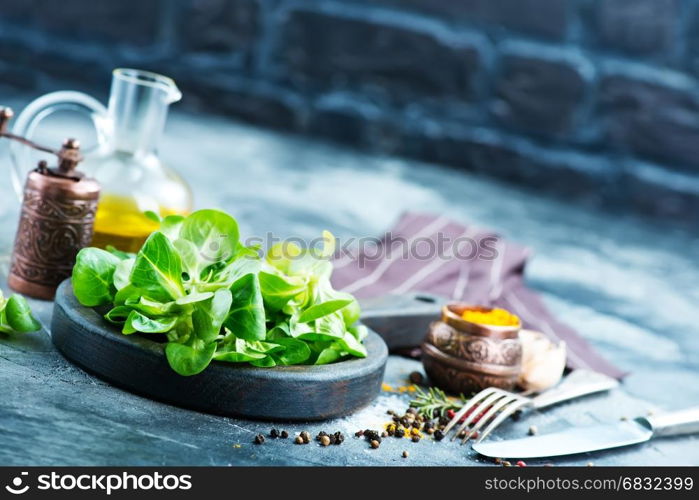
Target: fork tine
[491,413]
[500,418]
[496,395]
[471,404]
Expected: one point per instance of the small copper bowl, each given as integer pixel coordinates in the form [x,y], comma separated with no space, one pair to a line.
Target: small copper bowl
[464,357]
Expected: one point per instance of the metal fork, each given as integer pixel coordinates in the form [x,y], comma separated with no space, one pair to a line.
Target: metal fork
[495,405]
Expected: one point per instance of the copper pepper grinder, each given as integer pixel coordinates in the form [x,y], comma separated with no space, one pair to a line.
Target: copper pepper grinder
[58,212]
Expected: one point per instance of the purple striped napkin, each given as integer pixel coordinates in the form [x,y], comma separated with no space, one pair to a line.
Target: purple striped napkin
[433,254]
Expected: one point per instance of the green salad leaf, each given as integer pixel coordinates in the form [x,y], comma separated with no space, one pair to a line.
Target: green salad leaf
[212,298]
[16,315]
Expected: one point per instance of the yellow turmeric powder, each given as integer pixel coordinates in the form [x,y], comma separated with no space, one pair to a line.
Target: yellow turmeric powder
[492,317]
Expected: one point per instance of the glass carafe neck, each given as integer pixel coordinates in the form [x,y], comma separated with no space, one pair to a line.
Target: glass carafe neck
[138,105]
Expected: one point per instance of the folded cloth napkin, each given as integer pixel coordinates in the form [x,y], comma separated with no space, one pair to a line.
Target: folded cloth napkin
[432,254]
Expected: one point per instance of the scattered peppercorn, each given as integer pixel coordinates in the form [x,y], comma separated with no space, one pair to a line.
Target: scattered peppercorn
[505,463]
[438,435]
[359,433]
[372,435]
[284,434]
[411,410]
[274,433]
[429,430]
[415,438]
[259,439]
[339,437]
[521,463]
[416,378]
[306,437]
[498,461]
[405,454]
[400,432]
[533,430]
[384,434]
[298,440]
[374,444]
[325,440]
[320,435]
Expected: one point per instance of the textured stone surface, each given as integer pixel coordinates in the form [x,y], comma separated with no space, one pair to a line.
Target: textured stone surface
[640,26]
[652,119]
[328,51]
[520,15]
[219,26]
[626,285]
[129,22]
[539,94]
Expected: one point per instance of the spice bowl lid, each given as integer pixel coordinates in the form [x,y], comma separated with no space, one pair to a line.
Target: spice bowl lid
[452,314]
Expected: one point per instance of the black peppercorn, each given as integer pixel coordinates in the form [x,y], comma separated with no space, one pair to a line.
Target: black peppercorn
[438,435]
[259,439]
[359,433]
[415,438]
[284,434]
[274,433]
[339,437]
[331,438]
[416,378]
[400,432]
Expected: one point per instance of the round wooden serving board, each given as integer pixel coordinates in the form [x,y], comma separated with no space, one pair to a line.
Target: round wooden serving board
[138,364]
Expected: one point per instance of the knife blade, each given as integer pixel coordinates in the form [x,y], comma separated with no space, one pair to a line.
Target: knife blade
[596,437]
[569,442]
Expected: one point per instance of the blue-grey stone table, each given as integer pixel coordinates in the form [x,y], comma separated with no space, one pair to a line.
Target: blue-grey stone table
[629,286]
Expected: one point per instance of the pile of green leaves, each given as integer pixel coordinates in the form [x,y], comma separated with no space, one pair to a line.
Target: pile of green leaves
[16,316]
[215,299]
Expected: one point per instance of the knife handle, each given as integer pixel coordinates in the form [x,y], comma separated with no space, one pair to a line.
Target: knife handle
[674,423]
[576,384]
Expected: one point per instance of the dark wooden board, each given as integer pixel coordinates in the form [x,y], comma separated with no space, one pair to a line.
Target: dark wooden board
[138,364]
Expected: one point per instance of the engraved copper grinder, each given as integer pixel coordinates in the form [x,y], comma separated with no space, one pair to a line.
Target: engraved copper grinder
[56,220]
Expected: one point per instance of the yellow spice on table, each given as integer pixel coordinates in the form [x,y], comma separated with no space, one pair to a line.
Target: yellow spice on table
[492,317]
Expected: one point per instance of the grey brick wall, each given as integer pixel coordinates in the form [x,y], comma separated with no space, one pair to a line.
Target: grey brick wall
[589,99]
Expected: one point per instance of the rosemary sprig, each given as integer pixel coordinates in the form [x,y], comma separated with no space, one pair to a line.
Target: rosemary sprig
[435,403]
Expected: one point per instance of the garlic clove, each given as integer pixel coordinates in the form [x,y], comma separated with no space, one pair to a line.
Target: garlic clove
[543,361]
